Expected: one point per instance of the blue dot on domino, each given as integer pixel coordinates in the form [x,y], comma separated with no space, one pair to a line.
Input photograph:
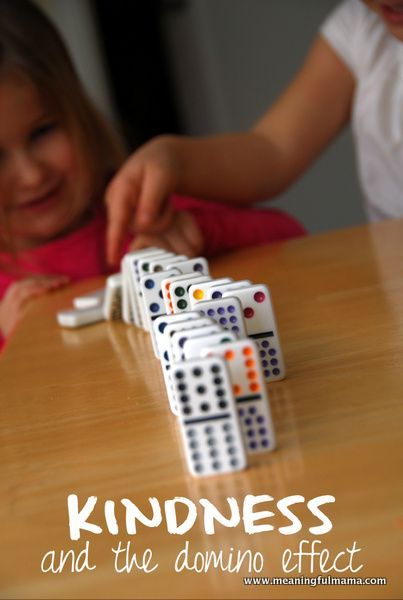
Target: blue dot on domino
[149,284]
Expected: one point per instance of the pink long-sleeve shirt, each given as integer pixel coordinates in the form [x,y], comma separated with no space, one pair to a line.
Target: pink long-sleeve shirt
[81,254]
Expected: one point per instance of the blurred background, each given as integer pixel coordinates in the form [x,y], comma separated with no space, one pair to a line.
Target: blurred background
[204,66]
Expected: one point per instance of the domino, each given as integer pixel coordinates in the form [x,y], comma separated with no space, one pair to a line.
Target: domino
[151,296]
[181,337]
[161,265]
[141,268]
[242,357]
[193,346]
[129,305]
[179,293]
[194,265]
[209,425]
[78,318]
[165,288]
[198,292]
[166,356]
[112,305]
[216,291]
[161,322]
[261,325]
[127,312]
[227,312]
[90,300]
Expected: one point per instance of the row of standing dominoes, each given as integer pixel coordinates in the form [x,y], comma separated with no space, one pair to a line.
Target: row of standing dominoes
[201,329]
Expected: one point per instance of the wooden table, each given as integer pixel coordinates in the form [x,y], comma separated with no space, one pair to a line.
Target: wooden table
[84,412]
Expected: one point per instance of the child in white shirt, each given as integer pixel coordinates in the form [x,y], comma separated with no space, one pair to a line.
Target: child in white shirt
[353,72]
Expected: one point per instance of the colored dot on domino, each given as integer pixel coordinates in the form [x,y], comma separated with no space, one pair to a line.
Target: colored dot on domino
[161,327]
[249,363]
[198,267]
[237,389]
[211,312]
[154,307]
[223,321]
[216,295]
[254,387]
[198,294]
[259,297]
[149,284]
[248,312]
[247,351]
[146,267]
[182,304]
[221,310]
[251,375]
[229,355]
[180,291]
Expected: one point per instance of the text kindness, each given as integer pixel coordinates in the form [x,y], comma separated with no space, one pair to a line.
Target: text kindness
[179,515]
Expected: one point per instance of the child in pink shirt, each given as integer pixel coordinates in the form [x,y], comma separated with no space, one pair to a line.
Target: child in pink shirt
[56,156]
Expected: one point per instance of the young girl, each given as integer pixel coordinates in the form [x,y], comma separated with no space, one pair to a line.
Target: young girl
[353,72]
[56,157]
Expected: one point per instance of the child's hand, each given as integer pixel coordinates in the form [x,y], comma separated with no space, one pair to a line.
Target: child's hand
[137,195]
[182,237]
[17,296]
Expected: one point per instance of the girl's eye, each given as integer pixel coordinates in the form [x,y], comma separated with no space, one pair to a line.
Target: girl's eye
[41,131]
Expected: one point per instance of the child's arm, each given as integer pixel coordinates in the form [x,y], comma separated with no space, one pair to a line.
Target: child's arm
[238,168]
[17,296]
[205,228]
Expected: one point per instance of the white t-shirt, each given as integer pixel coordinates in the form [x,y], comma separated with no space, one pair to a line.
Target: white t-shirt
[375,57]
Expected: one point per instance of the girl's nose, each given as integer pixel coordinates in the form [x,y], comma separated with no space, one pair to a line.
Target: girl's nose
[29,171]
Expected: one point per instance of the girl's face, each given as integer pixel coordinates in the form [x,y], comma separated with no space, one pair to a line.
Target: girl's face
[391,13]
[42,194]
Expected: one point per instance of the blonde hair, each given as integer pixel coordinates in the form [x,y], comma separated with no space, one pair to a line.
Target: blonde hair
[31,46]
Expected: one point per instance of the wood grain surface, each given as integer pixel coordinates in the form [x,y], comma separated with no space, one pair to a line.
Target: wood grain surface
[84,412]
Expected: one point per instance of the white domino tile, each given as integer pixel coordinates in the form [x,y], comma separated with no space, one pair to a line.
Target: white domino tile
[207,414]
[261,325]
[250,393]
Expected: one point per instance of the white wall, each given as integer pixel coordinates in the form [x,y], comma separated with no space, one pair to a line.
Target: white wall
[230,60]
[74,20]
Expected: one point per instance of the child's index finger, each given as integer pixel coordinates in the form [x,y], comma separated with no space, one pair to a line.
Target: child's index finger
[120,201]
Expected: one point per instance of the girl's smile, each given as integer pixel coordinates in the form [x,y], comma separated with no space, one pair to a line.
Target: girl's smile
[43,194]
